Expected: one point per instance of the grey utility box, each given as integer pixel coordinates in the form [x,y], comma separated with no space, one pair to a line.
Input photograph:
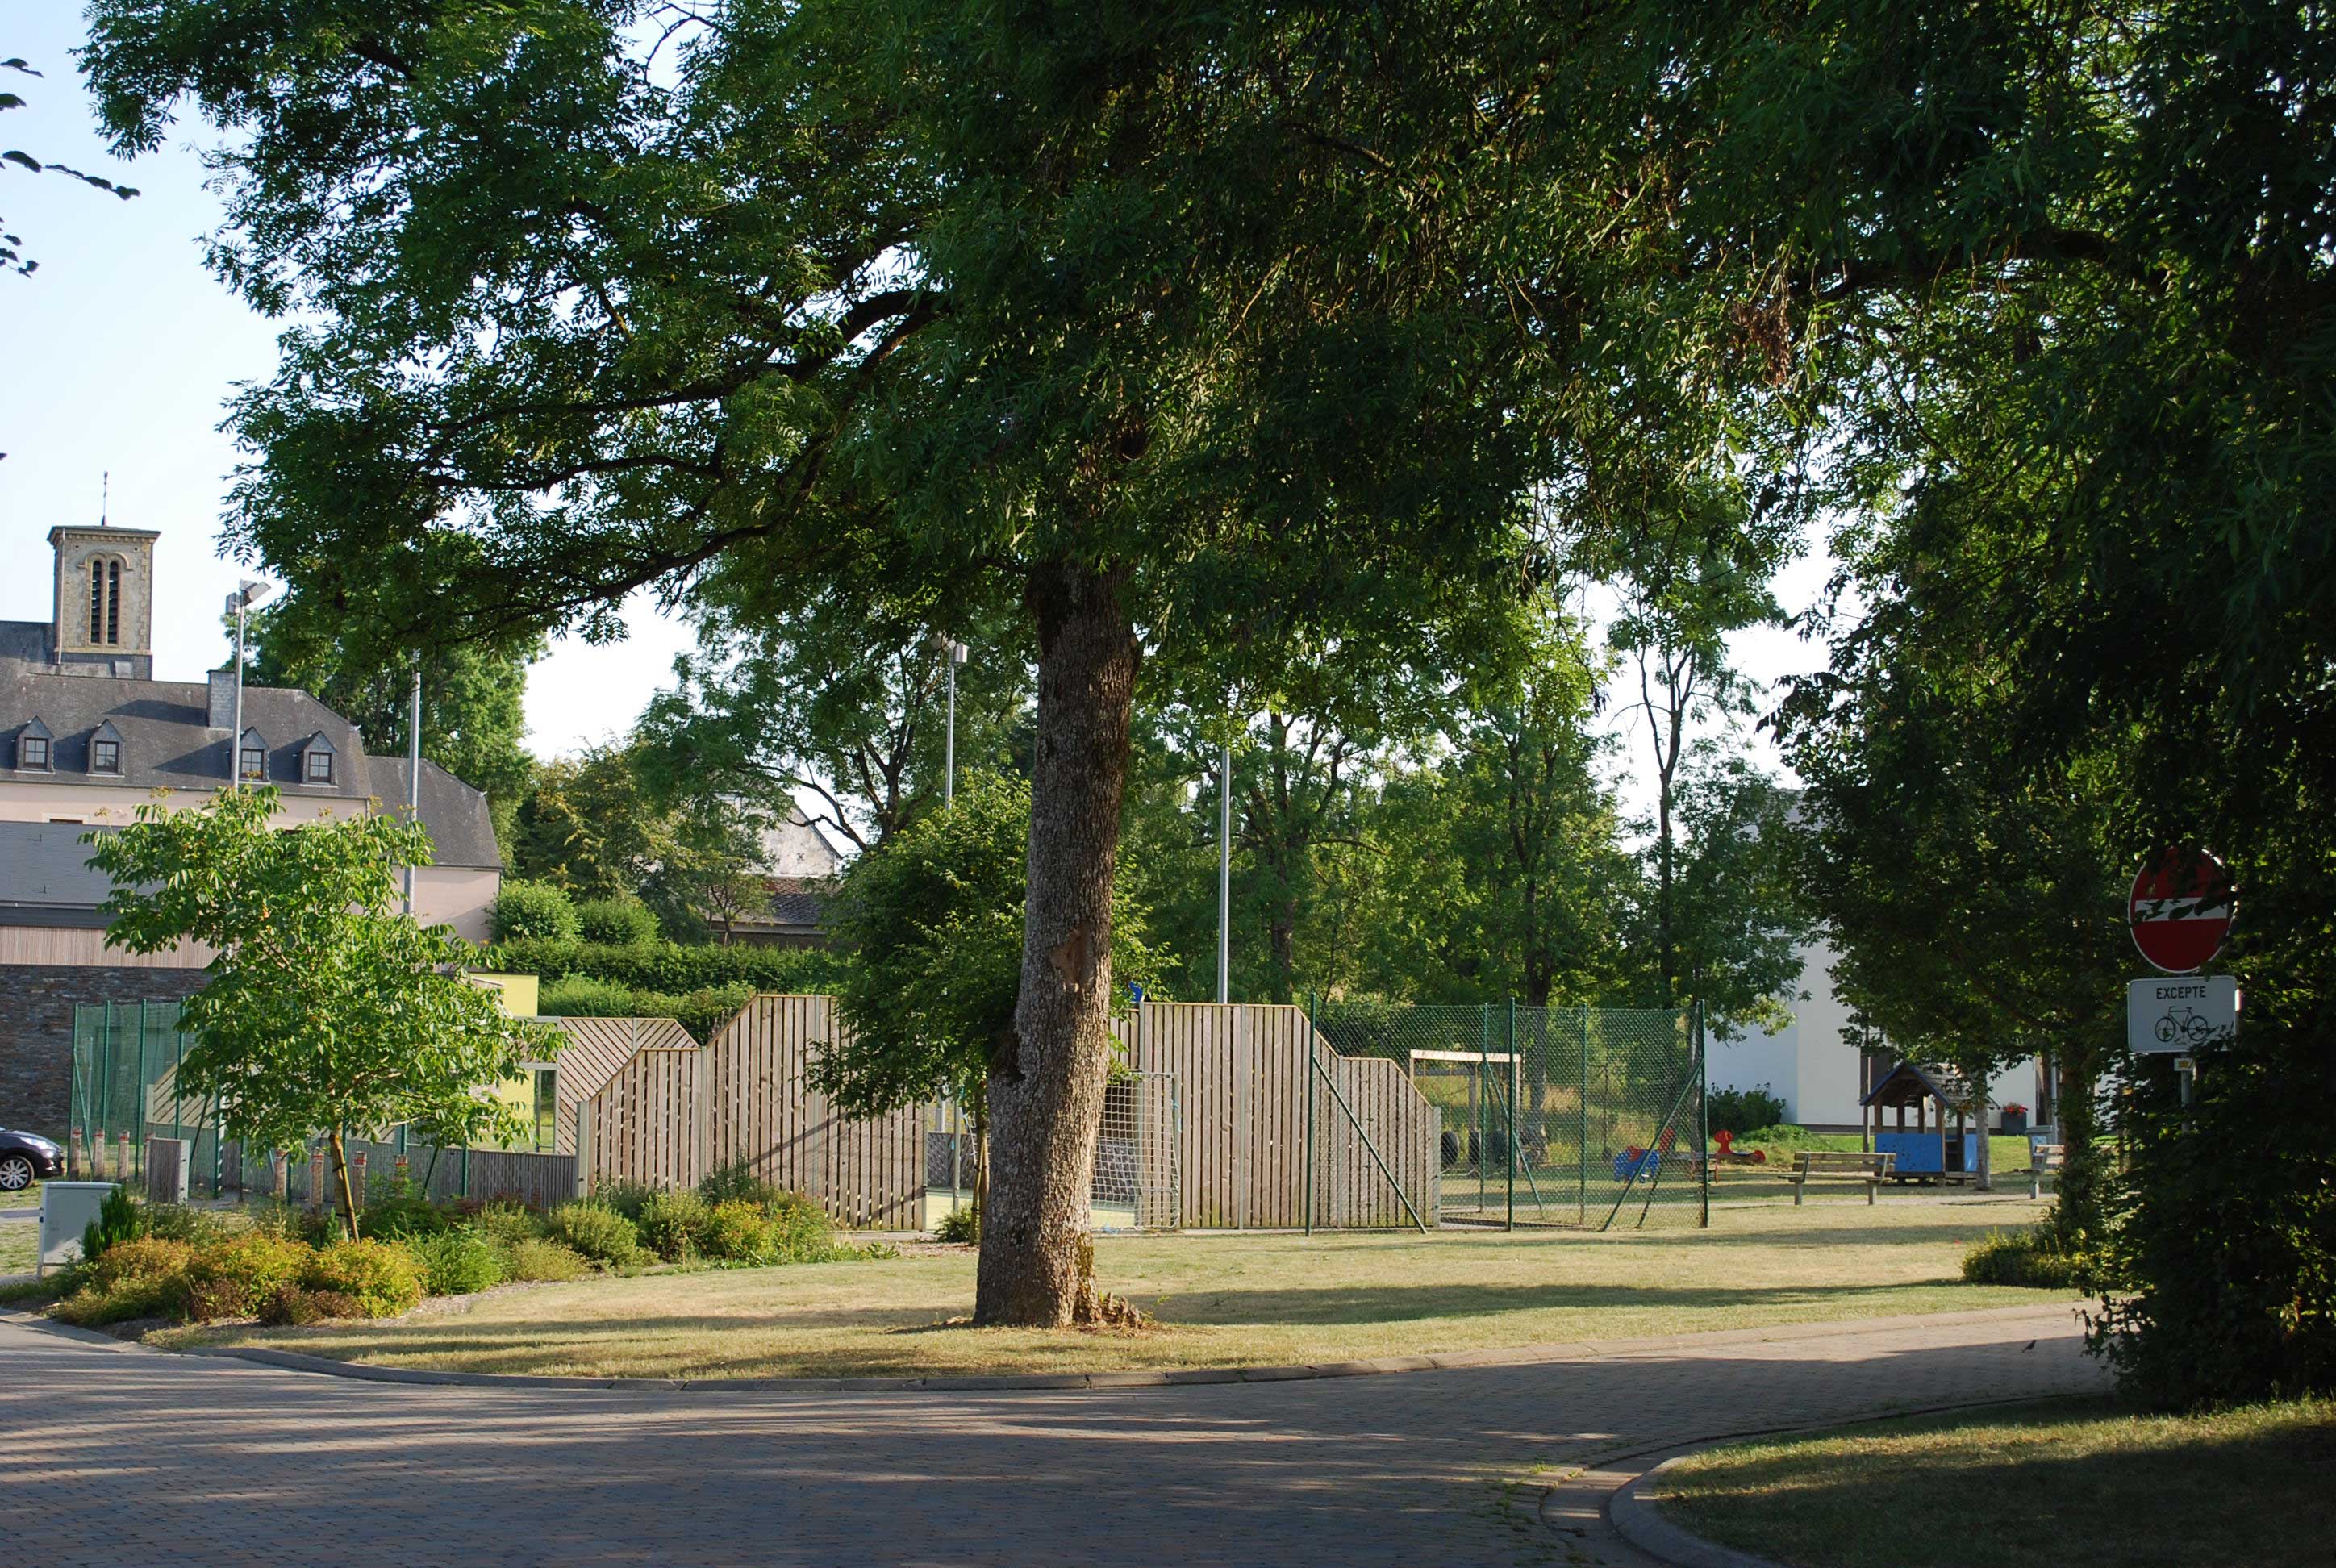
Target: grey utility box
[67,1209]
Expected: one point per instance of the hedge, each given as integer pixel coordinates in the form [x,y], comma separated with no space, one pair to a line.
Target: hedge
[675,969]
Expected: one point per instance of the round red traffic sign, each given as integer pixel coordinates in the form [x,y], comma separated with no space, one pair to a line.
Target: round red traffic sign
[2181,906]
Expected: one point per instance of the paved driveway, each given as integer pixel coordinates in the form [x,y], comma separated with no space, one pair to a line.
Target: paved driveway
[122,1456]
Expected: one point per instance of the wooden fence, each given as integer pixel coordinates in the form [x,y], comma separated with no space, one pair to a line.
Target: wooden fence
[1241,1070]
[670,1114]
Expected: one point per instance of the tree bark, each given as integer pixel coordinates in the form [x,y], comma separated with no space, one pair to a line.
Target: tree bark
[341,1175]
[1046,1085]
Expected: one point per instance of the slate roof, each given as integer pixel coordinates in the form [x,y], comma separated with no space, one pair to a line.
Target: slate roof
[44,876]
[168,743]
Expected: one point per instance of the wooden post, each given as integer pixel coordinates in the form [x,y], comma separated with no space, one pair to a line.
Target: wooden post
[583,1148]
[702,1117]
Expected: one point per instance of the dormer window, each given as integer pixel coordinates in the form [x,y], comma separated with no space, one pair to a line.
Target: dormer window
[105,750]
[32,747]
[251,755]
[316,760]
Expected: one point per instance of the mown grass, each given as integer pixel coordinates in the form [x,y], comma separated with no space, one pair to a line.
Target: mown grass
[2074,1484]
[20,1246]
[1221,1301]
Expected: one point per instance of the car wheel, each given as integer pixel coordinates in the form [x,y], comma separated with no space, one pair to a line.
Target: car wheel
[15,1173]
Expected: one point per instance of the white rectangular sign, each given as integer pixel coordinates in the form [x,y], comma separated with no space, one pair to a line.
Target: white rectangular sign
[2180,1013]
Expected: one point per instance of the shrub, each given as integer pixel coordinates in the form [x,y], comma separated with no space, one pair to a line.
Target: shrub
[2020,1258]
[738,1233]
[143,1277]
[801,1232]
[594,1230]
[736,1181]
[672,1223]
[177,1222]
[701,1012]
[2220,1274]
[379,1276]
[399,1209]
[537,910]
[532,1261]
[236,1279]
[508,1223]
[456,1263]
[627,1198]
[1739,1111]
[616,923]
[290,1307]
[119,1220]
[960,1225]
[672,969]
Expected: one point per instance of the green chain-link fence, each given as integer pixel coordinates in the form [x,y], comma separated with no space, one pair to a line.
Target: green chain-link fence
[1575,1116]
[125,1060]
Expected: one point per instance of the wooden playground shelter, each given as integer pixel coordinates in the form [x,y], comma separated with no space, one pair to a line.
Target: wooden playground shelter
[1937,1147]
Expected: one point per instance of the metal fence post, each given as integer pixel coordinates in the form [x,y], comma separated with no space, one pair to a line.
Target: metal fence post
[1703,1117]
[1582,1141]
[1515,1084]
[141,1089]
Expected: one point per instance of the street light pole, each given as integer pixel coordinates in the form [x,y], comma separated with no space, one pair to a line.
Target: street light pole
[1224,871]
[248,591]
[954,652]
[413,769]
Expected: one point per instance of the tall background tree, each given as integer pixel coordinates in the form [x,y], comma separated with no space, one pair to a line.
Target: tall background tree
[1208,355]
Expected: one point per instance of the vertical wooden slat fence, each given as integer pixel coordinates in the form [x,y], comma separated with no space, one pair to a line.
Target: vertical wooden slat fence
[644,1120]
[867,1173]
[1241,1070]
[669,1114]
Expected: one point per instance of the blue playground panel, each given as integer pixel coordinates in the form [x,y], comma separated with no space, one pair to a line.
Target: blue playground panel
[1925,1154]
[1643,1163]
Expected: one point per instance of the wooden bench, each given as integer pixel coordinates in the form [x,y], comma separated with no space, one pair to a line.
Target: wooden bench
[1827,1164]
[2044,1160]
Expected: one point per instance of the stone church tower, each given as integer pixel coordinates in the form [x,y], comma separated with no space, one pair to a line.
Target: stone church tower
[104,614]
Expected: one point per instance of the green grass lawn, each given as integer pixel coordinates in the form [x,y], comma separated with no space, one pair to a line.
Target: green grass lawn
[2072,1484]
[30,1198]
[20,1245]
[1222,1300]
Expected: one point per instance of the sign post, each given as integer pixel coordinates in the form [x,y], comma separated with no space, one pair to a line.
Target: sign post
[2180,912]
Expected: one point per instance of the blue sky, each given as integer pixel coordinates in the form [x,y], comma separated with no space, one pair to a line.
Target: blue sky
[120,353]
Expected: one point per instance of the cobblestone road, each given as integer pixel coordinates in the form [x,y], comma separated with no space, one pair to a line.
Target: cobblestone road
[122,1455]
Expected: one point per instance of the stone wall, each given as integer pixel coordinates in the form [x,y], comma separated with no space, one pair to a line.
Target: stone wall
[37,1019]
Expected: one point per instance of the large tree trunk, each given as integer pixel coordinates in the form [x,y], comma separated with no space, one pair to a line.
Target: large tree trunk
[1046,1089]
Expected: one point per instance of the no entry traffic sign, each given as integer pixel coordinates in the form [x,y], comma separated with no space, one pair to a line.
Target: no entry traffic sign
[2180,909]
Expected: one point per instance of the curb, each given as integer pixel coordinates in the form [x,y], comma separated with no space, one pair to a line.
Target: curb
[1456,1360]
[1643,1524]
[1640,1521]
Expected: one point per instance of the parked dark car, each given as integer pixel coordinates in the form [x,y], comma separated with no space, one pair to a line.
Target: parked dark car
[25,1158]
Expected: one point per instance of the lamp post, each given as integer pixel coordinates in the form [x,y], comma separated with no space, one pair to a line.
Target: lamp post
[953,653]
[248,591]
[413,769]
[1224,871]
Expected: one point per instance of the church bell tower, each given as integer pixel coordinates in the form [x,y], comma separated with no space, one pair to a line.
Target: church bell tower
[104,599]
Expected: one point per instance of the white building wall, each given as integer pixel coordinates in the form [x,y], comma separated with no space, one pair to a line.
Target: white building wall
[1813,1066]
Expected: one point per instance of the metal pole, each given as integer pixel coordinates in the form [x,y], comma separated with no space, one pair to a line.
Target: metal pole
[413,769]
[235,730]
[952,655]
[1483,1094]
[1224,871]
[1703,1118]
[1512,1114]
[1581,1142]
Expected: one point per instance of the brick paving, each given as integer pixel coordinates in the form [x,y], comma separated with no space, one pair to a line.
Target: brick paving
[116,1455]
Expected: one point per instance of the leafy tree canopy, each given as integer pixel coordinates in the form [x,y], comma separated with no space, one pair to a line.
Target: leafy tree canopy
[327,1012]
